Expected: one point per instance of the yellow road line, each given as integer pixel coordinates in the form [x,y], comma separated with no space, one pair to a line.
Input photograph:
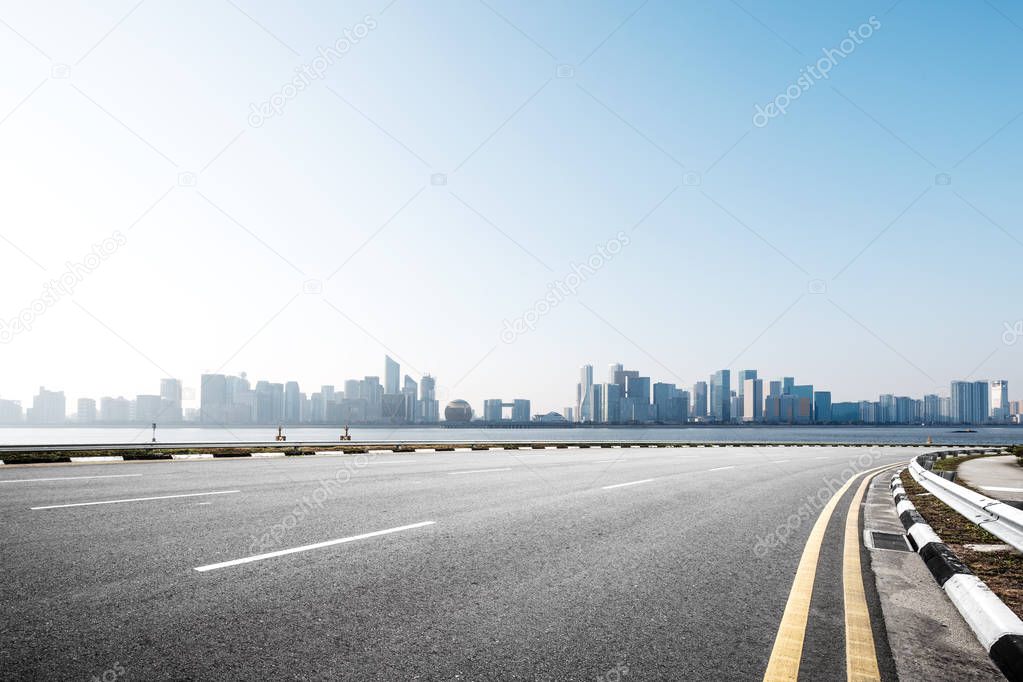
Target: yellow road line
[860,655]
[787,653]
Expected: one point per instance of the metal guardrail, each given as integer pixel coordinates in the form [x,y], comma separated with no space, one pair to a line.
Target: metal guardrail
[994,516]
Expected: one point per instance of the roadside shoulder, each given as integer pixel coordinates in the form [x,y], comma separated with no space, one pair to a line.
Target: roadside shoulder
[928,638]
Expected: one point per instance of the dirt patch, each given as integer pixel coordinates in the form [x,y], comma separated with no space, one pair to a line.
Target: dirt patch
[1001,571]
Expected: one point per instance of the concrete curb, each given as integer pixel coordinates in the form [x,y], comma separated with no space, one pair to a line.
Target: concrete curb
[207,455]
[86,460]
[997,628]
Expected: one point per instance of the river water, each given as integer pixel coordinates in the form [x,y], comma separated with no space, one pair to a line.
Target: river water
[699,434]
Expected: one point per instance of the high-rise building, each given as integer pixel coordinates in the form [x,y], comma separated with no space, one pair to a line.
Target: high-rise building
[663,393]
[372,392]
[597,403]
[888,413]
[170,395]
[11,412]
[392,408]
[584,412]
[700,400]
[429,407]
[822,407]
[410,389]
[753,399]
[492,410]
[148,409]
[720,406]
[845,413]
[804,402]
[999,403]
[264,403]
[613,403]
[520,411]
[213,399]
[86,413]
[115,410]
[636,407]
[969,402]
[612,371]
[905,410]
[292,403]
[392,375]
[48,407]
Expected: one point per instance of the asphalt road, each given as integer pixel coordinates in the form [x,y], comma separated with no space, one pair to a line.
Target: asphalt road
[528,565]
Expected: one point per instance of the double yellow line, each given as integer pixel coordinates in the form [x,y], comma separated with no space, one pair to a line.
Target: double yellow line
[860,655]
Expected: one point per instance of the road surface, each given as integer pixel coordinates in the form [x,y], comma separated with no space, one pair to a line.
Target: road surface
[578,564]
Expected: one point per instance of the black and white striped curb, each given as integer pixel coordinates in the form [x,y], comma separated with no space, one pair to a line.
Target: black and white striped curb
[999,630]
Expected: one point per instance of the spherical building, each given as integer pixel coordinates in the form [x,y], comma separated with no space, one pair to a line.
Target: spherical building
[458,411]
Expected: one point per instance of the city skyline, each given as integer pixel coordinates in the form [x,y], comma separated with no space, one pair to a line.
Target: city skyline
[626,397]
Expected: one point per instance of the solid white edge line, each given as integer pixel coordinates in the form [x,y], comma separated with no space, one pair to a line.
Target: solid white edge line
[622,485]
[134,499]
[306,548]
[1001,489]
[478,471]
[65,478]
[721,468]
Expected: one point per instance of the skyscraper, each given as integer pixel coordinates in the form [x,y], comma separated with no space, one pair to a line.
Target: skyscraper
[663,393]
[86,411]
[637,398]
[700,400]
[804,403]
[392,372]
[753,399]
[612,371]
[584,412]
[170,394]
[822,407]
[999,400]
[597,403]
[212,399]
[612,403]
[969,402]
[738,414]
[721,396]
[292,403]
[429,407]
[410,388]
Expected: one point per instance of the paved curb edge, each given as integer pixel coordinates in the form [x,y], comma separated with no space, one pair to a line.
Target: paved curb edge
[997,628]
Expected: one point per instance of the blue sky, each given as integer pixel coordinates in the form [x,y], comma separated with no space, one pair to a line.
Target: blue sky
[866,241]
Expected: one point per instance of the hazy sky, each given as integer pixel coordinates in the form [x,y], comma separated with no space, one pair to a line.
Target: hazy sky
[867,240]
